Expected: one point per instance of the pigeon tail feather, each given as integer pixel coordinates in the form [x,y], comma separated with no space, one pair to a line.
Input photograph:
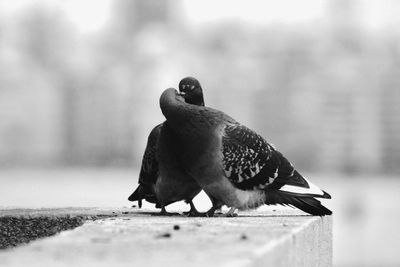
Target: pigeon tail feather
[142,192]
[303,202]
[138,195]
[298,184]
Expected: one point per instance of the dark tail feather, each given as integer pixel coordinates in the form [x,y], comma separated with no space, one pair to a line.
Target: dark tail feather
[326,195]
[143,192]
[303,202]
[138,195]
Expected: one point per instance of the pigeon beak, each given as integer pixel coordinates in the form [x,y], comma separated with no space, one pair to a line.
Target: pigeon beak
[182,94]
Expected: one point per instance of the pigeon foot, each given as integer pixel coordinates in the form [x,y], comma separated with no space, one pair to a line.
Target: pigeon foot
[163,212]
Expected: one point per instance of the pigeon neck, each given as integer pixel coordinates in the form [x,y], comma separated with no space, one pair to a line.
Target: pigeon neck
[195,99]
[200,101]
[179,113]
[171,102]
[185,118]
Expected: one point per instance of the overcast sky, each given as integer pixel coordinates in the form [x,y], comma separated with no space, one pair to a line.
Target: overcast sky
[373,14]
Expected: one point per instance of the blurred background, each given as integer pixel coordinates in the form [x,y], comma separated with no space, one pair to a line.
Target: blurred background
[80,82]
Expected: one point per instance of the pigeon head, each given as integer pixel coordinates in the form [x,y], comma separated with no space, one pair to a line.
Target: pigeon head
[191,91]
[169,98]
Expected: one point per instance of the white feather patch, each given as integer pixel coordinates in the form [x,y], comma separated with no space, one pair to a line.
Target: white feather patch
[314,190]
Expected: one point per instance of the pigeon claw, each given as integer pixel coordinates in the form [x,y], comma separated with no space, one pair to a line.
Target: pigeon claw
[195,213]
[163,212]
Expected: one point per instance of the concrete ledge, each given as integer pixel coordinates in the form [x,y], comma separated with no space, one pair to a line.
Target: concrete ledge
[136,238]
[18,226]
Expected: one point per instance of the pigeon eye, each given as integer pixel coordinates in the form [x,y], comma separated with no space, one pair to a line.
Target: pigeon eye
[188,87]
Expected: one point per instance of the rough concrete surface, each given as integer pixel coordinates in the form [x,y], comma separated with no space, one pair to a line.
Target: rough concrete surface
[18,226]
[137,238]
[17,230]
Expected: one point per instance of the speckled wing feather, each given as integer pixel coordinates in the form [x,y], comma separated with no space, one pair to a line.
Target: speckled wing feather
[149,170]
[247,157]
[249,161]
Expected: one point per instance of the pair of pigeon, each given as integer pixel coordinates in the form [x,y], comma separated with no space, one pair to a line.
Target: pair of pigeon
[198,147]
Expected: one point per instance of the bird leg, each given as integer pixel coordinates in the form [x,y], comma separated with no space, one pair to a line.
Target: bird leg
[231,213]
[193,212]
[211,212]
[216,205]
[218,211]
[164,212]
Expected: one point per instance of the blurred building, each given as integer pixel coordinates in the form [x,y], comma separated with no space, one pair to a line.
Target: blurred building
[326,94]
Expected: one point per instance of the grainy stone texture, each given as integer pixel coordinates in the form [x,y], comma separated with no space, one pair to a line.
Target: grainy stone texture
[18,226]
[17,230]
[137,238]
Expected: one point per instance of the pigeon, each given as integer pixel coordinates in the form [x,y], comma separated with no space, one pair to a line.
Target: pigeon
[233,164]
[161,179]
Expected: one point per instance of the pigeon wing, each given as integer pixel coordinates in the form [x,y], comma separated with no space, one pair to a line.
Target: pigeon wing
[149,170]
[248,159]
[250,162]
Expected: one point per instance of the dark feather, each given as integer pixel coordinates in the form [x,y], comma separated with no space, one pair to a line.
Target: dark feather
[246,157]
[138,195]
[250,162]
[143,192]
[149,170]
[303,202]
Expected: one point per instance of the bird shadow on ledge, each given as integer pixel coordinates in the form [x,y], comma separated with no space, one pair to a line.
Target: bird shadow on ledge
[253,214]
